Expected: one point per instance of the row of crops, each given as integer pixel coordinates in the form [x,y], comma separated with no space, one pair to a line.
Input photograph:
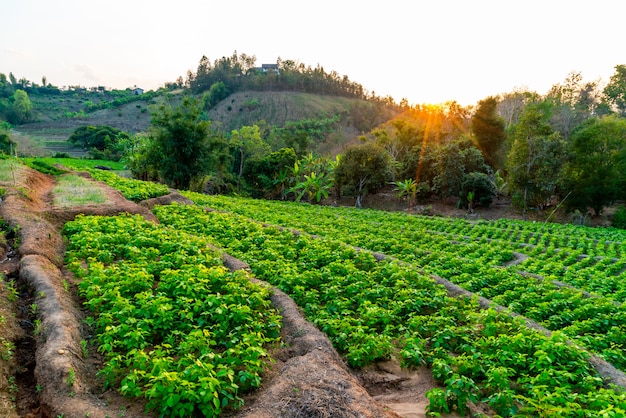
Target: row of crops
[450,248]
[374,309]
[174,325]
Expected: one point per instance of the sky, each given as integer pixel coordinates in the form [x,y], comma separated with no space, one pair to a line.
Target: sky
[425,51]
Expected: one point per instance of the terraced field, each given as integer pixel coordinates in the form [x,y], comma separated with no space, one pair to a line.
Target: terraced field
[188,308]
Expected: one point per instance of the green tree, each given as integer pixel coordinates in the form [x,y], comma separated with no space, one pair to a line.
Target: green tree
[247,143]
[595,174]
[22,107]
[363,169]
[180,143]
[477,189]
[216,93]
[488,129]
[101,141]
[535,159]
[268,176]
[615,90]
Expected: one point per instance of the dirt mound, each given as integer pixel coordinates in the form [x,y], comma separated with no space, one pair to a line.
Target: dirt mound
[168,199]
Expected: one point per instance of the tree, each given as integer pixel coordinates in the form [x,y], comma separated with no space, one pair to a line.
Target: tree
[180,142]
[22,107]
[269,175]
[477,189]
[363,169]
[535,160]
[248,143]
[595,173]
[488,129]
[615,90]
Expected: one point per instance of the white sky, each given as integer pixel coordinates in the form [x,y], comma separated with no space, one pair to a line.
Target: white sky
[425,51]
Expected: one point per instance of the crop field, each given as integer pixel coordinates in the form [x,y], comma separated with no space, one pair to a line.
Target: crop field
[535,327]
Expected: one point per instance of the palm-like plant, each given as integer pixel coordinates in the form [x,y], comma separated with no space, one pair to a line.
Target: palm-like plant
[407,188]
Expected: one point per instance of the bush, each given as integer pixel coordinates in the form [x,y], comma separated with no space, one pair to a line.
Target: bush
[619,218]
[477,188]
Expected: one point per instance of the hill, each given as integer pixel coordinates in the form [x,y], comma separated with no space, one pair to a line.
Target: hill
[58,116]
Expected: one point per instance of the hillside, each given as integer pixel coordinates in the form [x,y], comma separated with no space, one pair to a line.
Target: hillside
[58,116]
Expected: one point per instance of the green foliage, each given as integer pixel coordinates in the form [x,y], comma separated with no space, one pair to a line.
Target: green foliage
[363,169]
[488,128]
[132,189]
[406,188]
[300,135]
[619,218]
[535,160]
[216,93]
[179,149]
[174,326]
[267,175]
[102,141]
[615,90]
[481,189]
[595,173]
[22,109]
[44,167]
[239,72]
[6,143]
[476,355]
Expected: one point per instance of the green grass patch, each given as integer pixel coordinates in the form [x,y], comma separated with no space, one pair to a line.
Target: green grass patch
[10,169]
[79,163]
[72,190]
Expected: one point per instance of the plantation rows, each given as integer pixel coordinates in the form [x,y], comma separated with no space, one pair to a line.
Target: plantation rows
[373,309]
[174,325]
[598,323]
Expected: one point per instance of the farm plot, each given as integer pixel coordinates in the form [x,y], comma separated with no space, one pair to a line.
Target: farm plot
[175,327]
[374,309]
[598,322]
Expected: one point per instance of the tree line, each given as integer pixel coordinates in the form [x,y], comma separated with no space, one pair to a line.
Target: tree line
[240,72]
[567,147]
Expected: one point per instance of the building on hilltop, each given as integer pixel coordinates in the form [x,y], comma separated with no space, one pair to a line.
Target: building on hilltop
[266,68]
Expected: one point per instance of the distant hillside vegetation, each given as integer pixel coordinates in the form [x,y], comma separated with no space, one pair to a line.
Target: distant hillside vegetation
[276,108]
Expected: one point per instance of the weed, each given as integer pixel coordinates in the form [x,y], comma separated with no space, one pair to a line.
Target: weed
[37,327]
[71,377]
[84,349]
[8,349]
[12,291]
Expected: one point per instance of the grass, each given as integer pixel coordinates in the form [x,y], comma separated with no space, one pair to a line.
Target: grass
[10,170]
[72,190]
[82,164]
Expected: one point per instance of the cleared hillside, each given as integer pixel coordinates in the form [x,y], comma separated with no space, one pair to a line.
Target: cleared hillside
[58,116]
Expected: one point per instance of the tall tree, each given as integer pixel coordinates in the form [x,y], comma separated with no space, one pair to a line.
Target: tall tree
[615,90]
[535,160]
[488,129]
[180,138]
[596,170]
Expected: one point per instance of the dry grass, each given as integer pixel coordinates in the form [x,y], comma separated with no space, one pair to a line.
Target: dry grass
[72,190]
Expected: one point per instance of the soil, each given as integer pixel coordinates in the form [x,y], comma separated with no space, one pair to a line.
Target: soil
[50,375]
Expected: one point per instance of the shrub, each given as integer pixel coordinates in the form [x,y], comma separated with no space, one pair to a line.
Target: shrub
[619,218]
